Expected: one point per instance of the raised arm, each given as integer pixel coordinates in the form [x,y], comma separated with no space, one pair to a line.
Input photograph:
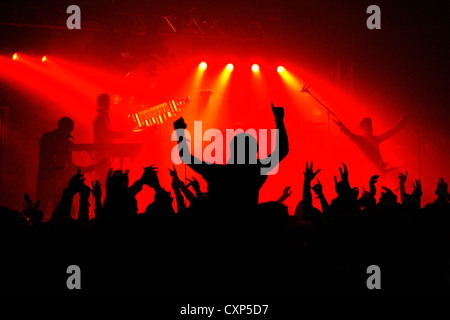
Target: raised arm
[402,179]
[307,196]
[83,211]
[181,186]
[185,155]
[286,193]
[396,128]
[345,130]
[282,147]
[323,201]
[62,213]
[97,193]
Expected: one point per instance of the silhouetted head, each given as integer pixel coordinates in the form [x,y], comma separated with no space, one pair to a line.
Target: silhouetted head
[103,103]
[243,149]
[355,193]
[366,126]
[388,198]
[66,125]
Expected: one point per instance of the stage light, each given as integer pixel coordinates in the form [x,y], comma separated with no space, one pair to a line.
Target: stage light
[203,65]
[230,67]
[44,58]
[15,56]
[255,68]
[280,69]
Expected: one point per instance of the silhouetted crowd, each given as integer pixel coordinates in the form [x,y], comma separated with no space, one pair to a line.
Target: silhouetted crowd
[190,245]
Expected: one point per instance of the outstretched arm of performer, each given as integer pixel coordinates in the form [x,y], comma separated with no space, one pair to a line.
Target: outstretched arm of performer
[398,126]
[345,130]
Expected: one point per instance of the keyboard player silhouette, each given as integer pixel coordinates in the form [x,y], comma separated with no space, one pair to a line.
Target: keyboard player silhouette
[103,135]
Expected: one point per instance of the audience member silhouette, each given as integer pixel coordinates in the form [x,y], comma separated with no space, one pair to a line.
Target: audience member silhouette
[224,242]
[240,179]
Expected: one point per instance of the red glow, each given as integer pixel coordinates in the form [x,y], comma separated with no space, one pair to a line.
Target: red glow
[239,100]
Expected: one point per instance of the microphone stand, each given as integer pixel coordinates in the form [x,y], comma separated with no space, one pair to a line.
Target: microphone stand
[306,89]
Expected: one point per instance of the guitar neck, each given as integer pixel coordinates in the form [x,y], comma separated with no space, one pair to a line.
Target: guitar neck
[157,115]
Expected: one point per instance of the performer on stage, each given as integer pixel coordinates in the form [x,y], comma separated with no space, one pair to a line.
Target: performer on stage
[55,165]
[103,133]
[102,127]
[370,143]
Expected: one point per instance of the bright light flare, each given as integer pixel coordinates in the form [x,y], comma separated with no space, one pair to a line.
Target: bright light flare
[15,56]
[203,66]
[280,69]
[44,58]
[255,68]
[230,67]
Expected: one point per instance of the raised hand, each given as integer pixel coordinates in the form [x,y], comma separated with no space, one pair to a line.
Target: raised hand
[278,112]
[339,123]
[194,183]
[309,172]
[317,188]
[402,177]
[344,174]
[150,176]
[96,189]
[373,180]
[176,182]
[31,210]
[287,192]
[442,189]
[173,173]
[76,182]
[285,195]
[179,124]
[417,187]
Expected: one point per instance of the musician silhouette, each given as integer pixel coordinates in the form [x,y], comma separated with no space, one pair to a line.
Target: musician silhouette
[55,165]
[103,134]
[370,143]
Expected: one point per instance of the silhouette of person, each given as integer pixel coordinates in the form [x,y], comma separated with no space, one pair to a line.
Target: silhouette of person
[55,164]
[102,125]
[237,183]
[370,143]
[103,134]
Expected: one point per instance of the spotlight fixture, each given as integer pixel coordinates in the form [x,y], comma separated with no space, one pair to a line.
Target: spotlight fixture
[44,58]
[280,69]
[255,68]
[230,67]
[203,65]
[15,56]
